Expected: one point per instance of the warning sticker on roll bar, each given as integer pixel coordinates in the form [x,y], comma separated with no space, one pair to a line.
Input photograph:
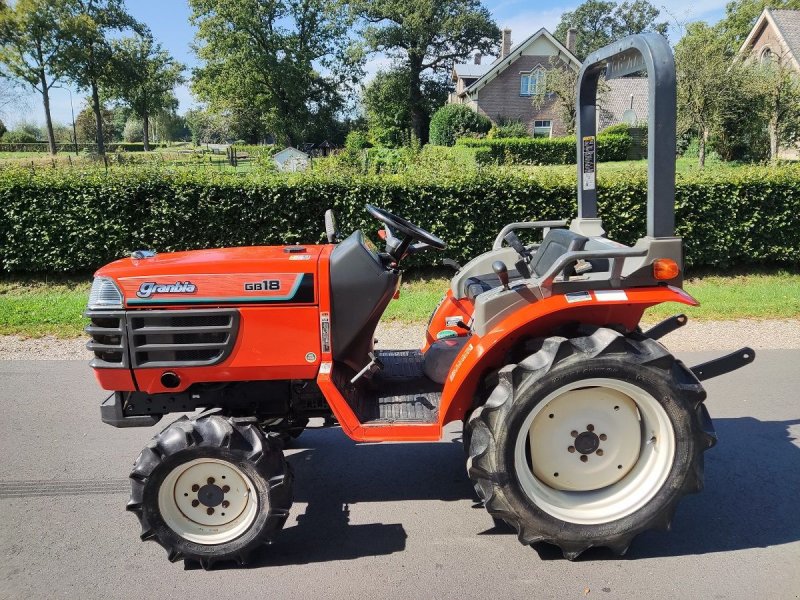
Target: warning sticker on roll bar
[589,160]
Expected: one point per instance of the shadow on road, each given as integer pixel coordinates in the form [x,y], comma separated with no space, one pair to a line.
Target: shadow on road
[750,498]
[332,473]
[752,477]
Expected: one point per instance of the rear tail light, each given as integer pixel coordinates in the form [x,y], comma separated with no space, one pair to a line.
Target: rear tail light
[665,268]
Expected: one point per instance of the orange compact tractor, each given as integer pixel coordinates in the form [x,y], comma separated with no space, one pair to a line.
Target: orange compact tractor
[580,429]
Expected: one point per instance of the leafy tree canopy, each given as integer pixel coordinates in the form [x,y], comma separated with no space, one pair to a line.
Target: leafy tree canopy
[287,59]
[426,36]
[599,23]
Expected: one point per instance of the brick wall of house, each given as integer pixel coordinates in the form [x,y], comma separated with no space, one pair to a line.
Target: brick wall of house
[501,98]
[767,38]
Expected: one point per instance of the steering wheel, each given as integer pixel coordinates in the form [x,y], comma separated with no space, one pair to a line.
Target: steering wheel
[397,248]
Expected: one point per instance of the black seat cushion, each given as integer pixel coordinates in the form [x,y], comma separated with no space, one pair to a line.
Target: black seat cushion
[555,244]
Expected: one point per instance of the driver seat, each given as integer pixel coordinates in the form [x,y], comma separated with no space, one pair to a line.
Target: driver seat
[556,243]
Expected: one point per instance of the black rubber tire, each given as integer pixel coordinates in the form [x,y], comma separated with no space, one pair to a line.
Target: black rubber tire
[552,363]
[223,438]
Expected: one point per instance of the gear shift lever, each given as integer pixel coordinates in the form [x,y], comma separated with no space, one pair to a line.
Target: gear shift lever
[500,269]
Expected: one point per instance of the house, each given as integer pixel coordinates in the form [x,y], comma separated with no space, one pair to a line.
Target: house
[775,36]
[291,160]
[503,88]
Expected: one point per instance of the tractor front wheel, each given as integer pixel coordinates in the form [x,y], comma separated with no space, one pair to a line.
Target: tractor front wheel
[211,490]
[589,441]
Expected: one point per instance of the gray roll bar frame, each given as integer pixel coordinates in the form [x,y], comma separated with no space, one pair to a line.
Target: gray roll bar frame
[650,52]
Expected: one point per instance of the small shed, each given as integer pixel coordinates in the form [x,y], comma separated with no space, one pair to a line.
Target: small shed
[291,160]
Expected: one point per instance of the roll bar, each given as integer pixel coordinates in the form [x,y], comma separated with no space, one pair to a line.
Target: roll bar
[649,52]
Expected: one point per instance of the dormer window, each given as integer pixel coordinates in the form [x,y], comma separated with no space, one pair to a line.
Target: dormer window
[533,83]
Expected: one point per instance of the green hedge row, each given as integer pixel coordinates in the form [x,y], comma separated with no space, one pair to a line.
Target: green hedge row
[547,151]
[56,221]
[63,147]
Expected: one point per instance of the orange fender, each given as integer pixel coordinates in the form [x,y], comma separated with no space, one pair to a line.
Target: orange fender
[482,355]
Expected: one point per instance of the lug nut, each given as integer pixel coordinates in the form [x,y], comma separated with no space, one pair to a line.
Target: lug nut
[226,489]
[195,503]
[600,452]
[210,511]
[571,449]
[603,437]
[211,481]
[573,433]
[590,427]
[225,504]
[584,458]
[195,487]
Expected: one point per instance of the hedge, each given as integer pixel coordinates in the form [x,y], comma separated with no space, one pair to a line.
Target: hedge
[547,151]
[70,147]
[72,221]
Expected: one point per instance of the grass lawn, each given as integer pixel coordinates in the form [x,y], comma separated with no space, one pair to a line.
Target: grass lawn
[683,166]
[36,307]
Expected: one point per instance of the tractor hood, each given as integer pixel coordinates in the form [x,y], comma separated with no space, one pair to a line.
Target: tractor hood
[223,276]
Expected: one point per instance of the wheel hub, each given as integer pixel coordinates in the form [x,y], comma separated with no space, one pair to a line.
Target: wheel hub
[587,442]
[585,439]
[207,501]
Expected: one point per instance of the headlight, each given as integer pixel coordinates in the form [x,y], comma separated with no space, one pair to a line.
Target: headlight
[104,294]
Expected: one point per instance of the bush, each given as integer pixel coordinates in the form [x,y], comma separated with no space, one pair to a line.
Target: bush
[73,221]
[134,131]
[357,140]
[20,137]
[618,129]
[455,120]
[546,151]
[509,130]
[2,128]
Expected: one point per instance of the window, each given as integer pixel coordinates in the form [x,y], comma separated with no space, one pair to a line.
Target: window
[533,83]
[766,57]
[542,129]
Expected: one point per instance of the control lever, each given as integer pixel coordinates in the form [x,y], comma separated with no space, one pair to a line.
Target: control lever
[372,367]
[524,254]
[500,269]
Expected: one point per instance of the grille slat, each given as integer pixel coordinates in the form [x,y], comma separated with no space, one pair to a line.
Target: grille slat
[108,341]
[185,338]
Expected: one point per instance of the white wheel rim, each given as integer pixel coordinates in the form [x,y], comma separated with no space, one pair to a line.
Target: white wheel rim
[207,501]
[603,454]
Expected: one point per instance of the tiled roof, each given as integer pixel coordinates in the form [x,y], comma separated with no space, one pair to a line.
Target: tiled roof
[788,21]
[470,70]
[618,99]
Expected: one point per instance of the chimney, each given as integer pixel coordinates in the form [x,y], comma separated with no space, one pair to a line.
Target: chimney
[572,36]
[506,46]
[477,58]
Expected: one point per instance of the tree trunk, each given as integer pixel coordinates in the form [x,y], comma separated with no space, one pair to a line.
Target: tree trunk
[98,119]
[774,146]
[701,154]
[146,131]
[415,99]
[51,136]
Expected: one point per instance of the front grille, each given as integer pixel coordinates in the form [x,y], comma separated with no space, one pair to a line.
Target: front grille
[108,342]
[186,338]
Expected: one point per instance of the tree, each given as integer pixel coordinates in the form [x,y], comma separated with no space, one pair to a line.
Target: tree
[780,85]
[599,23]
[387,108]
[89,52]
[284,60]
[560,85]
[86,124]
[708,83]
[144,77]
[426,36]
[31,40]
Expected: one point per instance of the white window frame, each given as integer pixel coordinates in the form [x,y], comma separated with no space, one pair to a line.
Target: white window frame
[533,82]
[540,125]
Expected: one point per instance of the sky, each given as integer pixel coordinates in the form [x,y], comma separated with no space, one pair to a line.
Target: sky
[169,22]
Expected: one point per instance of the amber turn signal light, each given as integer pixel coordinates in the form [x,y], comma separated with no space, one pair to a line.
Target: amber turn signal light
[665,268]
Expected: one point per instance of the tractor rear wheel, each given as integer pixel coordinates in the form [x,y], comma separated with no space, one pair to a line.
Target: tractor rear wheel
[210,490]
[589,441]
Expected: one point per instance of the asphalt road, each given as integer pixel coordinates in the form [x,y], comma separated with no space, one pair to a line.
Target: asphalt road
[389,521]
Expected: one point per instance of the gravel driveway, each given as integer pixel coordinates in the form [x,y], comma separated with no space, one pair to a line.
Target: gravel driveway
[696,336]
